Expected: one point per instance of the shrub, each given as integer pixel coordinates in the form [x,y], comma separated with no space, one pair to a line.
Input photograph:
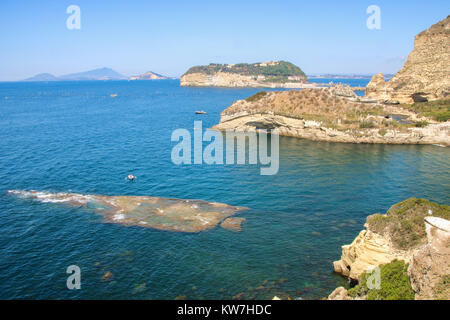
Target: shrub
[442,116]
[394,285]
[421,124]
[256,96]
[442,290]
[367,125]
[439,110]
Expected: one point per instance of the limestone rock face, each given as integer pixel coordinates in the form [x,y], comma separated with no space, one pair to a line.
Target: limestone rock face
[416,231]
[427,70]
[367,251]
[377,87]
[429,270]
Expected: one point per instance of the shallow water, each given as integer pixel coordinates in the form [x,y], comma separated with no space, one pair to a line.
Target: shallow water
[73,137]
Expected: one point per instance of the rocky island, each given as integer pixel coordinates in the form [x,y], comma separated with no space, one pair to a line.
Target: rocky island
[411,246]
[273,74]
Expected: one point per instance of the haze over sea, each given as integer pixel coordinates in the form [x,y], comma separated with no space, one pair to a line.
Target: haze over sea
[75,137]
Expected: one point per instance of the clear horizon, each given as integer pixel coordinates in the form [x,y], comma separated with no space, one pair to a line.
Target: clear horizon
[134,37]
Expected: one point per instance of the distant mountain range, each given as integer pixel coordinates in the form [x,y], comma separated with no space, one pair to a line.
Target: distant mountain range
[96,74]
[43,77]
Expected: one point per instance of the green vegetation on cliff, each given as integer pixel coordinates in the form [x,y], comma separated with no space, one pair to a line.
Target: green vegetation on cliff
[404,222]
[438,110]
[394,284]
[442,290]
[275,70]
[256,96]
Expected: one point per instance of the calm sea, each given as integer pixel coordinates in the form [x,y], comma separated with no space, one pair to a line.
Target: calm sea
[73,136]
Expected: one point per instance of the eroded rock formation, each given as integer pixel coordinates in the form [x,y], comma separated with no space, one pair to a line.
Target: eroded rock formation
[426,73]
[368,251]
[413,231]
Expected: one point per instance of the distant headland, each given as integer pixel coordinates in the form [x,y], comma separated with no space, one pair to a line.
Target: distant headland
[272,74]
[149,76]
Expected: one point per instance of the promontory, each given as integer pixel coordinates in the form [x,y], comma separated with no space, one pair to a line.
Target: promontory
[272,74]
[412,108]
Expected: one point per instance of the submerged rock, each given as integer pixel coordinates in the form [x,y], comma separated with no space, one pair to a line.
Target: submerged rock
[234,224]
[150,212]
[107,276]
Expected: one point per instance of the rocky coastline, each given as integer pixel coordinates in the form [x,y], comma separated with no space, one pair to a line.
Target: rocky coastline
[230,80]
[333,114]
[336,114]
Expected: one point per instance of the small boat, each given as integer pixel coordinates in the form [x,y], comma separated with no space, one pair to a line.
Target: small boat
[113,95]
[200,112]
[131,177]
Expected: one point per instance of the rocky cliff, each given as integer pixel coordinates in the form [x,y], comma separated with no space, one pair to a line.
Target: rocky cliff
[415,231]
[426,73]
[274,74]
[429,269]
[332,114]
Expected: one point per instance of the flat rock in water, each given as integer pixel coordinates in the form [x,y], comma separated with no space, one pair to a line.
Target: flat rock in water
[149,212]
[234,224]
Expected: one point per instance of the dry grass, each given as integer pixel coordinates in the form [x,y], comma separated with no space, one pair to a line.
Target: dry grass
[316,104]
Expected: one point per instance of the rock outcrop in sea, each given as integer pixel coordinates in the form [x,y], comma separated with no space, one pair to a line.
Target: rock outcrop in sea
[333,114]
[415,231]
[149,212]
[273,74]
[426,73]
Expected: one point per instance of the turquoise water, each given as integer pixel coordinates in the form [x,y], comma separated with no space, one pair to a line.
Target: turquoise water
[73,137]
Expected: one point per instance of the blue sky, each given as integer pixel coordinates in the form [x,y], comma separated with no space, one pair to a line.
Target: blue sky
[170,36]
